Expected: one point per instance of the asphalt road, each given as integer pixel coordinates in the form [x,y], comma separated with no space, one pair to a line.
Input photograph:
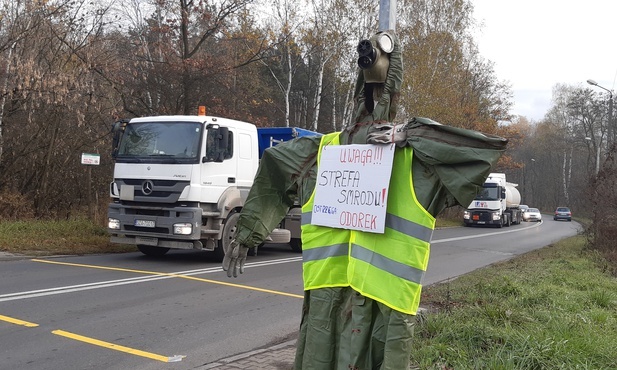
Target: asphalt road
[128,311]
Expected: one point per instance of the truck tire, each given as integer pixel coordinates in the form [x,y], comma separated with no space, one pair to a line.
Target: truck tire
[151,251]
[296,245]
[229,230]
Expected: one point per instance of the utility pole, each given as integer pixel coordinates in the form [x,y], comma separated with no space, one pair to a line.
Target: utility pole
[611,128]
[387,15]
[610,137]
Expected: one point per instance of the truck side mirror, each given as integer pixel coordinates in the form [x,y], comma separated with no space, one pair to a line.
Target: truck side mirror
[223,139]
[503,193]
[117,129]
[218,145]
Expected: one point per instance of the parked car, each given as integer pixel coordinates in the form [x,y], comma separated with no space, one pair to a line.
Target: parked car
[532,214]
[563,213]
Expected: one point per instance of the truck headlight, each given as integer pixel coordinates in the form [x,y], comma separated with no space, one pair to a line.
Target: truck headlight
[496,216]
[466,215]
[184,228]
[113,223]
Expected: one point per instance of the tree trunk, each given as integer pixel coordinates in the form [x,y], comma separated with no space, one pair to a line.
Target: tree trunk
[5,92]
[334,105]
[565,177]
[288,88]
[318,91]
[41,189]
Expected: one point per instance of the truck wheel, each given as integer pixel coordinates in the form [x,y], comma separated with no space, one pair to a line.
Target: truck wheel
[296,245]
[151,251]
[229,230]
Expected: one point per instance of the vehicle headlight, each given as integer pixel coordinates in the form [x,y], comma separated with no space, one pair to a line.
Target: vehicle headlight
[184,228]
[496,216]
[466,215]
[113,223]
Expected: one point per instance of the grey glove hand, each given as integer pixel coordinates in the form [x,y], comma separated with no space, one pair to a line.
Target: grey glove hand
[235,257]
[386,133]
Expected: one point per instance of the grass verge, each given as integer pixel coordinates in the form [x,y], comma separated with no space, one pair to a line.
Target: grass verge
[447,222]
[41,238]
[554,308]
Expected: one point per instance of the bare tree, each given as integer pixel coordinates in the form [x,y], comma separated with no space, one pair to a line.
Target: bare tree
[448,79]
[51,93]
[331,41]
[283,28]
[15,26]
[148,45]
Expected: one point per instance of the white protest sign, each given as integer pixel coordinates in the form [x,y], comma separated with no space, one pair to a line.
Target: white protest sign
[352,187]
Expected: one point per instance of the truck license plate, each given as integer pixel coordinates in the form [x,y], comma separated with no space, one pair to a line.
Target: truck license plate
[146,240]
[144,223]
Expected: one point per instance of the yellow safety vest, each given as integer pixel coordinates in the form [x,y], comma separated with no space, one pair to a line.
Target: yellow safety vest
[386,267]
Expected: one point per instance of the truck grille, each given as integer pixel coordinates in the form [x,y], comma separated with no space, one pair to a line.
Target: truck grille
[481,216]
[154,191]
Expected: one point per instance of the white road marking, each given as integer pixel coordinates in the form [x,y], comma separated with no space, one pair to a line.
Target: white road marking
[143,279]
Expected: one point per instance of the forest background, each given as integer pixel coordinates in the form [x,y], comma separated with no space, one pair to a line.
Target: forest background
[70,68]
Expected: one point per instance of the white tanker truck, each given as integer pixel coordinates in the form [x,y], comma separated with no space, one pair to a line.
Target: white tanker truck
[496,204]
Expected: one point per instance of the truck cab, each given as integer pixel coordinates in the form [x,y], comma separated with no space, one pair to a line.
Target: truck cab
[495,204]
[180,182]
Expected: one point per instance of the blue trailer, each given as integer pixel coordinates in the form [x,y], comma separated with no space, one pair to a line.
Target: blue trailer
[270,136]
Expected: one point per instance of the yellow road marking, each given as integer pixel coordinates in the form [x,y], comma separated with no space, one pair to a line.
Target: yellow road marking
[18,322]
[171,275]
[116,347]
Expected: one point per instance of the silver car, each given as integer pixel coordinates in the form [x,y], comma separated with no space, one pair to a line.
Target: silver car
[563,213]
[532,214]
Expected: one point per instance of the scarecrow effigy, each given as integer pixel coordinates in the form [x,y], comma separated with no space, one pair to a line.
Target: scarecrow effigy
[362,288]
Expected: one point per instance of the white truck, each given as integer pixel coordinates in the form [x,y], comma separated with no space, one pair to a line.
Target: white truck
[180,182]
[496,204]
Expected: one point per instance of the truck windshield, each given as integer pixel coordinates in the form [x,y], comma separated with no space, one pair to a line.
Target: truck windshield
[161,142]
[488,194]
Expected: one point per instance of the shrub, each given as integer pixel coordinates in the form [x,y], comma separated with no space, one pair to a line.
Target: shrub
[15,206]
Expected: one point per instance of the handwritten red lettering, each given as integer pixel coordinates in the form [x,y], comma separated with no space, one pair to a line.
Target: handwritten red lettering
[358,220]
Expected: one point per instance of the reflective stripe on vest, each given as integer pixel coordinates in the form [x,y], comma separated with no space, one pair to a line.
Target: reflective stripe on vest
[387,267]
[393,222]
[325,250]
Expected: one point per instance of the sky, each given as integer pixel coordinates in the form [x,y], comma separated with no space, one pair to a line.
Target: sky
[535,45]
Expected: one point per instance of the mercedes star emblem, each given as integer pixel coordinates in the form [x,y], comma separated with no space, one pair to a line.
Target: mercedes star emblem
[147,187]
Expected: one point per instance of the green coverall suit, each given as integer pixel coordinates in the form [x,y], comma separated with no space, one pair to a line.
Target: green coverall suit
[341,329]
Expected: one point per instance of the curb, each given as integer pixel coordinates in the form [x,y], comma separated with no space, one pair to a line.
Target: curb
[251,354]
[6,256]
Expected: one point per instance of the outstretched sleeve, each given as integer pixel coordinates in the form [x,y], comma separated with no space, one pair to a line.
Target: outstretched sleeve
[284,175]
[453,162]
